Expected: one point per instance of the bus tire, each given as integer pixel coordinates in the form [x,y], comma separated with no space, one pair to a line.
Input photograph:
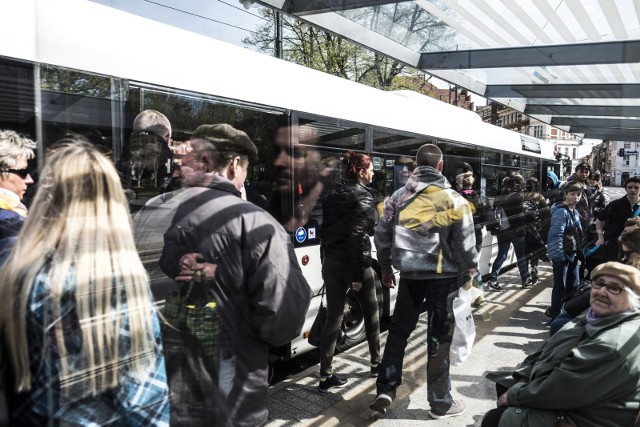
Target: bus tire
[352,330]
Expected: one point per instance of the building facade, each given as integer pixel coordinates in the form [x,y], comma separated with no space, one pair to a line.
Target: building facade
[617,160]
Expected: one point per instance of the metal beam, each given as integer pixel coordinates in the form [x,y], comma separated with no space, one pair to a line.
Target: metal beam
[608,133]
[599,123]
[312,7]
[584,90]
[584,110]
[618,52]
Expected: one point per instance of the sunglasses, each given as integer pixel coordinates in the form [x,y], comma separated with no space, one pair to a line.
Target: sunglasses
[22,173]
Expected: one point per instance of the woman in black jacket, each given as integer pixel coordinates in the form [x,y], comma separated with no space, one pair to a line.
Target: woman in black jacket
[349,217]
[513,205]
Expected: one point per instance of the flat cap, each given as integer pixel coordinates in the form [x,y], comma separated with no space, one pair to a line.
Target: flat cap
[627,274]
[227,139]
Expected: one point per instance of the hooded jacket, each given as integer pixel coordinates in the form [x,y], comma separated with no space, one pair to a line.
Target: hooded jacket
[554,179]
[445,249]
[561,219]
[259,287]
[583,206]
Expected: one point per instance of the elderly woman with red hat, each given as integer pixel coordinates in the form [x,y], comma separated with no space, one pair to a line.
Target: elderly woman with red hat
[587,374]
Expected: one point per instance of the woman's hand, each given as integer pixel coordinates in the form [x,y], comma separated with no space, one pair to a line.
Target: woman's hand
[388,280]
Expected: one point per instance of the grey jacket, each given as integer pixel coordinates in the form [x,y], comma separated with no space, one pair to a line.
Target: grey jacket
[596,382]
[259,287]
[417,253]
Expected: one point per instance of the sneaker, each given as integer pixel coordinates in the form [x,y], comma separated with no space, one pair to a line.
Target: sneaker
[457,408]
[334,381]
[494,286]
[534,279]
[433,348]
[375,368]
[527,284]
[381,403]
[478,302]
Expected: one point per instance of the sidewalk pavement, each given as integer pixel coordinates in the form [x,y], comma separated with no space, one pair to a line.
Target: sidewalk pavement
[509,326]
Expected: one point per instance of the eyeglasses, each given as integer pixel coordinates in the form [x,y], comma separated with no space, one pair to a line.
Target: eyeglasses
[612,289]
[22,173]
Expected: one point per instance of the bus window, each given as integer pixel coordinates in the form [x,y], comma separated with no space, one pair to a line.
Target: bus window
[78,104]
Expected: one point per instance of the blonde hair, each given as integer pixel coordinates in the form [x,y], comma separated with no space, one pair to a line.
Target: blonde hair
[465,180]
[12,147]
[79,224]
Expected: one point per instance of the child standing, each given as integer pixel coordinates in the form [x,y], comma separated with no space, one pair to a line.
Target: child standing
[564,244]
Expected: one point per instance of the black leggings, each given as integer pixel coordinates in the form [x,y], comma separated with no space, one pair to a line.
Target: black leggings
[337,280]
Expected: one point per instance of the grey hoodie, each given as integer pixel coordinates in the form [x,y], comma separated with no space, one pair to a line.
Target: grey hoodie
[420,254]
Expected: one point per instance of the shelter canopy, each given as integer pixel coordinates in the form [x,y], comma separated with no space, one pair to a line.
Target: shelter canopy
[574,64]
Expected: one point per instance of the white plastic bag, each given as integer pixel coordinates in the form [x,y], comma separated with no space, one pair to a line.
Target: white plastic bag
[464,331]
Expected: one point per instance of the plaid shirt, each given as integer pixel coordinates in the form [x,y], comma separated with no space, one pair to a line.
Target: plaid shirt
[139,400]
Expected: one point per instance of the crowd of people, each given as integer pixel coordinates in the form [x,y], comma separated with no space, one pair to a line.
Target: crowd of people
[82,342]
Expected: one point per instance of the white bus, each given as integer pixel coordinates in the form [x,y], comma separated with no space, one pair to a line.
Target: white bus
[78,66]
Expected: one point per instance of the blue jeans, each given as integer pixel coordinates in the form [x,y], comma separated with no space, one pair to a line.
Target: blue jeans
[557,323]
[503,251]
[411,294]
[565,279]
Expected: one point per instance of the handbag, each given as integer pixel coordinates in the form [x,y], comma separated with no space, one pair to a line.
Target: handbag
[578,300]
[315,333]
[191,334]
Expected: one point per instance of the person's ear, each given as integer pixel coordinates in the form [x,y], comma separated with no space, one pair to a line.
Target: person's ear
[233,169]
[440,165]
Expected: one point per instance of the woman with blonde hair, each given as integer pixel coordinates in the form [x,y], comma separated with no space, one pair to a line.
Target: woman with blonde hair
[80,332]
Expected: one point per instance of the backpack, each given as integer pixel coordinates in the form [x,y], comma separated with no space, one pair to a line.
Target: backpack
[499,220]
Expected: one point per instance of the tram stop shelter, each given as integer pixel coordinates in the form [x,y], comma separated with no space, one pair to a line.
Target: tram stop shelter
[572,64]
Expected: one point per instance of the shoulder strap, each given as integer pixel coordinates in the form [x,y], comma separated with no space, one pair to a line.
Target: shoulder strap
[637,212]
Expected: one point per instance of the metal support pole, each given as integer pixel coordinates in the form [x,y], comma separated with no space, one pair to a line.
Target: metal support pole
[278,41]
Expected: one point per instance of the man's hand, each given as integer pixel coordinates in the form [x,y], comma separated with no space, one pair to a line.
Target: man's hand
[388,280]
[191,263]
[468,278]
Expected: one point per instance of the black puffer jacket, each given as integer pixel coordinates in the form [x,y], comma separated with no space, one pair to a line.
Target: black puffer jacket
[479,209]
[513,204]
[349,217]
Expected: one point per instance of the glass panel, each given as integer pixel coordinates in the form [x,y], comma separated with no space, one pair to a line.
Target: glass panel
[317,133]
[186,112]
[459,159]
[391,142]
[76,103]
[17,107]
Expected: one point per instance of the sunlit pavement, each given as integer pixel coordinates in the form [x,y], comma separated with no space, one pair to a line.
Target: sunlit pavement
[509,326]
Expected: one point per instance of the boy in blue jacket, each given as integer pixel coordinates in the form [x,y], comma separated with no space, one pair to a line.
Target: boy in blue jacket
[563,245]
